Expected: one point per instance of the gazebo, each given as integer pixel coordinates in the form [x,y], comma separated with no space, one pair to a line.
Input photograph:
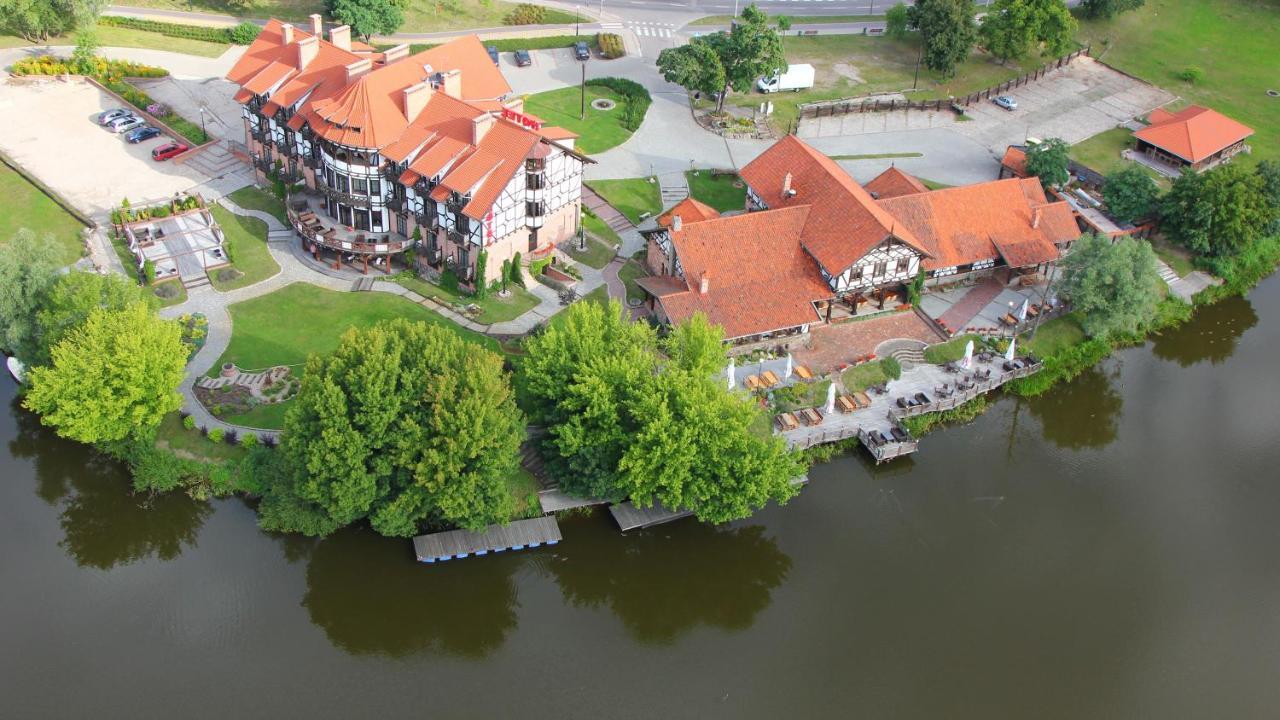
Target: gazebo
[1195,137]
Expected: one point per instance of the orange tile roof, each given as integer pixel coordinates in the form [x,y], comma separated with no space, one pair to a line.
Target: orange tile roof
[1194,133]
[894,183]
[759,277]
[690,211]
[845,222]
[1015,159]
[269,76]
[962,225]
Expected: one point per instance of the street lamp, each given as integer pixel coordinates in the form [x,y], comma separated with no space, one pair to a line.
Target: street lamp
[202,127]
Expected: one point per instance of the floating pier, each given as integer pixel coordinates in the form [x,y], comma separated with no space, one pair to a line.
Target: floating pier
[554,500]
[518,535]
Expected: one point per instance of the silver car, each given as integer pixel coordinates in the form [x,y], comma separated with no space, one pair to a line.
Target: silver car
[125,124]
[108,115]
[1006,102]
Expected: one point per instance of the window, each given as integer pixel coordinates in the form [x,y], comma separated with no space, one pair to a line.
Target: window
[375,187]
[362,219]
[359,186]
[400,225]
[904,264]
[343,185]
[534,181]
[856,275]
[534,165]
[879,270]
[375,222]
[534,209]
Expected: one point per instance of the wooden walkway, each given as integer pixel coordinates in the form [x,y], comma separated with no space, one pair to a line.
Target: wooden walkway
[495,538]
[554,500]
[630,517]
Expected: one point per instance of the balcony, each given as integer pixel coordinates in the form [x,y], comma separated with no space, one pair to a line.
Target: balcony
[263,164]
[284,146]
[391,172]
[311,220]
[347,198]
[395,203]
[259,133]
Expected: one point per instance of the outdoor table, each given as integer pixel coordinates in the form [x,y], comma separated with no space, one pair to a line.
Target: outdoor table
[845,404]
[803,372]
[861,399]
[1009,319]
[768,378]
[753,382]
[786,421]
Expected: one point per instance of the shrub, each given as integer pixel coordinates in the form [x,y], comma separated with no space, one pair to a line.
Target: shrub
[610,45]
[526,14]
[189,422]
[243,34]
[167,290]
[229,274]
[635,99]
[537,266]
[217,434]
[517,275]
[230,437]
[249,440]
[149,271]
[1190,75]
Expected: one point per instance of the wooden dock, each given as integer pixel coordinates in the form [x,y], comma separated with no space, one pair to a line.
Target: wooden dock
[554,500]
[495,538]
[630,517]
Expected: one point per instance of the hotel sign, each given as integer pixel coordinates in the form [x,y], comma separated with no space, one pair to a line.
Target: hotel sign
[521,119]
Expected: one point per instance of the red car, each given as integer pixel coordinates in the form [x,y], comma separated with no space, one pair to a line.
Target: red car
[164,152]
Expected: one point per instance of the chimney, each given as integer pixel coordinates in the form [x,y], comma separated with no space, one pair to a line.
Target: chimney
[704,283]
[676,223]
[358,68]
[786,186]
[286,34]
[451,83]
[1035,218]
[416,98]
[340,37]
[308,48]
[480,125]
[398,52]
[317,25]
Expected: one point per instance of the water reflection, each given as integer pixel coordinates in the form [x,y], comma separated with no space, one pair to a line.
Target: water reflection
[103,524]
[371,598]
[664,582]
[1212,336]
[1084,413]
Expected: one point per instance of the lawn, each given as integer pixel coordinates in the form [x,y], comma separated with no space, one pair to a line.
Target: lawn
[854,65]
[950,350]
[266,416]
[524,494]
[596,255]
[192,445]
[24,205]
[801,395]
[246,242]
[861,377]
[933,184]
[178,299]
[795,19]
[317,318]
[637,198]
[597,132]
[1232,41]
[1054,336]
[628,273]
[252,197]
[110,36]
[597,227]
[1102,151]
[492,308]
[722,192]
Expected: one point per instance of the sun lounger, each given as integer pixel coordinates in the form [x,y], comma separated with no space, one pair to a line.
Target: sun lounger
[877,438]
[899,434]
[803,372]
[922,399]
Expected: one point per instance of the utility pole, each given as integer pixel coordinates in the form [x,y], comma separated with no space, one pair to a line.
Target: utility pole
[919,57]
[582,92]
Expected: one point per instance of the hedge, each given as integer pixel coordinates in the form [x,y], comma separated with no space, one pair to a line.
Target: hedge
[610,45]
[241,34]
[538,43]
[635,99]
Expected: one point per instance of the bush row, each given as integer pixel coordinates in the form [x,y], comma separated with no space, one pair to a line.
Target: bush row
[526,14]
[139,99]
[534,43]
[241,34]
[610,45]
[635,99]
[102,69]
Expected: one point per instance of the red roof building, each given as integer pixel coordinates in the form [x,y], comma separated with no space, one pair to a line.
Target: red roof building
[1194,137]
[894,183]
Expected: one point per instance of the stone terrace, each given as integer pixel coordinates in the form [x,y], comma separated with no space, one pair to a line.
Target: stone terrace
[830,346]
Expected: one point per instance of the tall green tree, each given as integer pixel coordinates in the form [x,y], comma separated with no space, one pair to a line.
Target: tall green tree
[694,66]
[28,269]
[1269,172]
[896,21]
[696,346]
[39,20]
[72,298]
[947,30]
[1056,26]
[1106,9]
[1009,29]
[112,378]
[368,17]
[1217,212]
[726,60]
[1130,194]
[404,424]
[1049,160]
[1113,286]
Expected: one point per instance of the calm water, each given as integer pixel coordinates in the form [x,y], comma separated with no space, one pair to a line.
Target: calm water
[1109,551]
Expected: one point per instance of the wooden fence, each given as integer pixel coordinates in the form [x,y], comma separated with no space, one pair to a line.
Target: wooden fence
[830,108]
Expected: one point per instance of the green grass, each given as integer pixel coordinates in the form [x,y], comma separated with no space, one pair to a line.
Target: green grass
[191,444]
[492,308]
[933,184]
[246,240]
[802,395]
[795,19]
[878,156]
[1053,336]
[861,377]
[1102,151]
[600,296]
[524,494]
[178,299]
[628,273]
[1177,258]
[637,198]
[316,320]
[1232,41]
[597,227]
[266,416]
[597,132]
[950,350]
[596,255]
[718,191]
[252,197]
[25,205]
[109,36]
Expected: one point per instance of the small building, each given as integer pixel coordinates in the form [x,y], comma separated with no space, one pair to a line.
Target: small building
[1195,137]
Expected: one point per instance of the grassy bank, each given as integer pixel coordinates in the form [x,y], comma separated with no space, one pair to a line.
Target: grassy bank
[109,36]
[246,244]
[252,197]
[637,198]
[598,131]
[23,205]
[795,19]
[597,254]
[722,192]
[492,307]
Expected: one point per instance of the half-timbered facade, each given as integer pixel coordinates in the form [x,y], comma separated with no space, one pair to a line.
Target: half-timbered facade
[394,150]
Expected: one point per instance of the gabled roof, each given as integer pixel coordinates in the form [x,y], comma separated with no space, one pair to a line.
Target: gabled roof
[844,223]
[759,277]
[1015,158]
[894,183]
[690,211]
[1004,218]
[1193,133]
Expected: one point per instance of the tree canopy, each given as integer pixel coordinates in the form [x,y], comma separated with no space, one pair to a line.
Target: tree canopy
[624,422]
[28,269]
[1217,212]
[368,17]
[404,424]
[1113,286]
[71,299]
[1049,160]
[749,50]
[1106,9]
[947,30]
[38,20]
[113,377]
[694,66]
[1130,193]
[896,21]
[1012,28]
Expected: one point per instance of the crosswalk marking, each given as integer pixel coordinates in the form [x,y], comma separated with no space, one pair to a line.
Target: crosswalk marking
[645,28]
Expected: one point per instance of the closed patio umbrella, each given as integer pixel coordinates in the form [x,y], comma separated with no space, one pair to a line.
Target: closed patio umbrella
[729,372]
[787,374]
[831,398]
[967,361]
[1008,354]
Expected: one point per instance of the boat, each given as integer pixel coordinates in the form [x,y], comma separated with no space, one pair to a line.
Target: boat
[16,368]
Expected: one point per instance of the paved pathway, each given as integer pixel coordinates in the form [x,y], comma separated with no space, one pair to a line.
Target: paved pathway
[674,187]
[1185,287]
[958,316]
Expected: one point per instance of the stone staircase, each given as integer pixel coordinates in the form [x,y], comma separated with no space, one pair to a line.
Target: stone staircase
[673,187]
[280,236]
[1166,273]
[215,161]
[616,221]
[362,285]
[199,281]
[906,351]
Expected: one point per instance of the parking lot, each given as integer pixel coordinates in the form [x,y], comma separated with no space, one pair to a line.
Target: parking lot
[51,130]
[552,69]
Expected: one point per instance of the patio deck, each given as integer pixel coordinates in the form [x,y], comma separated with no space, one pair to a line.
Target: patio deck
[987,320]
[186,245]
[350,247]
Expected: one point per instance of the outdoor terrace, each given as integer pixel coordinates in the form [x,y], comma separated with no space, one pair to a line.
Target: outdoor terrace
[319,231]
[186,245]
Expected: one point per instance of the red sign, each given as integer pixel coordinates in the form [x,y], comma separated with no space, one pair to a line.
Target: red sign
[488,225]
[521,119]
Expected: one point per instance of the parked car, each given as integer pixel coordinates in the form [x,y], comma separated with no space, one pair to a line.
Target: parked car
[124,125]
[581,50]
[118,121]
[1005,102]
[164,152]
[796,78]
[107,116]
[493,53]
[146,132]
[523,59]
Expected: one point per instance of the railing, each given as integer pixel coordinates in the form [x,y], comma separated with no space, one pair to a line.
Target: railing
[395,203]
[960,397]
[347,198]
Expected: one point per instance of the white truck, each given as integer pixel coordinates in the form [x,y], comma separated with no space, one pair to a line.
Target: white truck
[796,78]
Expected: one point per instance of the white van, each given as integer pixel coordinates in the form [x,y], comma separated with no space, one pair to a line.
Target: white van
[797,78]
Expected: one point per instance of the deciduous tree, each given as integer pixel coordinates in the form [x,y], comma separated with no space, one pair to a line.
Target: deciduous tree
[1049,160]
[1130,194]
[112,378]
[1217,212]
[1106,9]
[694,66]
[947,30]
[38,20]
[368,17]
[28,268]
[726,60]
[896,20]
[1114,286]
[71,299]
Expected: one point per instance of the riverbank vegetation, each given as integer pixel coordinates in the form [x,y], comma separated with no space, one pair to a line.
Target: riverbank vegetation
[22,204]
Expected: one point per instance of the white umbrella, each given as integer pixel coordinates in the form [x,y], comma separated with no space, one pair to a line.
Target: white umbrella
[787,374]
[1022,311]
[967,362]
[730,373]
[1008,354]
[831,398]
